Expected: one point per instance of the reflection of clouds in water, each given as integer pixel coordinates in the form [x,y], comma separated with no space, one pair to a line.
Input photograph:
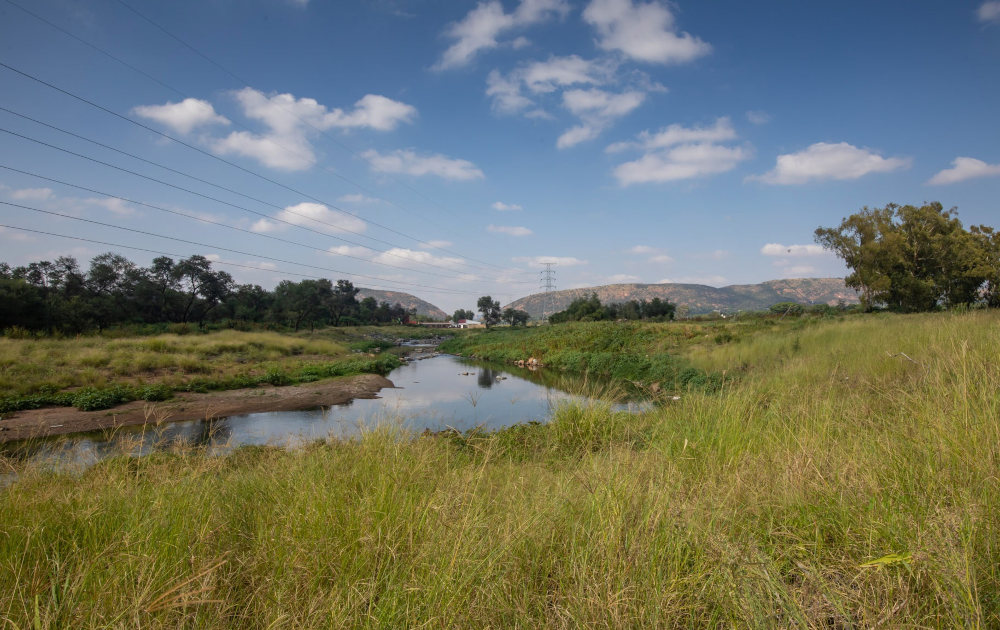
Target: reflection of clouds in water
[432,394]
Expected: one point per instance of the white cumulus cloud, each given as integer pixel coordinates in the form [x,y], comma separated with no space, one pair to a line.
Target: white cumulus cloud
[677,152]
[350,250]
[506,207]
[111,204]
[578,85]
[183,116]
[758,117]
[685,161]
[575,135]
[597,109]
[32,194]
[400,256]
[963,168]
[482,27]
[721,131]
[408,162]
[600,104]
[823,160]
[291,121]
[510,230]
[560,72]
[989,12]
[643,31]
[311,215]
[506,93]
[544,77]
[655,255]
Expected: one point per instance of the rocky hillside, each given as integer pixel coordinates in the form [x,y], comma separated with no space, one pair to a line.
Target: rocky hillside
[406,300]
[700,298]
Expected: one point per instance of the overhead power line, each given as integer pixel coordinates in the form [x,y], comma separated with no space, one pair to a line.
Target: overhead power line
[185,95]
[230,250]
[217,223]
[229,162]
[217,200]
[240,79]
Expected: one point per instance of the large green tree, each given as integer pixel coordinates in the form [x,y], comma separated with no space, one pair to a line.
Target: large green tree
[343,301]
[913,258]
[490,309]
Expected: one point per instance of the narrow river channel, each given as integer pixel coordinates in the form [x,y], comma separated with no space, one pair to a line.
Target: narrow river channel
[435,393]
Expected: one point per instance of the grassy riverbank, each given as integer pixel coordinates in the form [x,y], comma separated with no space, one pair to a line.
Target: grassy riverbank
[849,478]
[97,371]
[674,356]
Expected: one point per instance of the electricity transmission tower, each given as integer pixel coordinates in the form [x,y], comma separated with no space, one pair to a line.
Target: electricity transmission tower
[547,282]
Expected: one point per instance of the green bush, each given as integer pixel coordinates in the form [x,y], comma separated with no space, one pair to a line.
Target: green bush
[276,377]
[155,393]
[95,399]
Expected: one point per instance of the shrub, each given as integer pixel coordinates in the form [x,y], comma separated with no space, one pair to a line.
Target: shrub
[275,376]
[155,393]
[94,399]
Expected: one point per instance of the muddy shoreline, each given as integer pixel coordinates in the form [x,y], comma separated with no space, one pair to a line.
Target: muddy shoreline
[51,421]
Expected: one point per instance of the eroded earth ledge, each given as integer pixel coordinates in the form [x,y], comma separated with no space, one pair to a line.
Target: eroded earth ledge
[51,421]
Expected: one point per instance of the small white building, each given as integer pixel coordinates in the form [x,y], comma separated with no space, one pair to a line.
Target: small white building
[469,323]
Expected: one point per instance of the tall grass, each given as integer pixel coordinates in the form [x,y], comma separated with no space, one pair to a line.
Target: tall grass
[625,351]
[836,484]
[57,371]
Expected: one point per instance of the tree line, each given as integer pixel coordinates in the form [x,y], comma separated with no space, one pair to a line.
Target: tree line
[61,296]
[916,258]
[590,309]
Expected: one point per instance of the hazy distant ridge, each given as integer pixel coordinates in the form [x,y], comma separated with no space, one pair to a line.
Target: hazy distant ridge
[406,300]
[701,298]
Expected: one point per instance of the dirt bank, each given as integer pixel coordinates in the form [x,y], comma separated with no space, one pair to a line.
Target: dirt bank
[60,420]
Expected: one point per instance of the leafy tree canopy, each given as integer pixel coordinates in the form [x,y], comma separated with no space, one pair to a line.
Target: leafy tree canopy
[916,258]
[60,296]
[490,309]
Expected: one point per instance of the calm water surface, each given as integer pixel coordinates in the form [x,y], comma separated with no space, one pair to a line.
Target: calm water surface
[434,393]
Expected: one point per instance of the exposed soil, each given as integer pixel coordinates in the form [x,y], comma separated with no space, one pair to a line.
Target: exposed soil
[186,406]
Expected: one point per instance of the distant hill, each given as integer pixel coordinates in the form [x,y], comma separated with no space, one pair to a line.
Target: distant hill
[406,300]
[701,298]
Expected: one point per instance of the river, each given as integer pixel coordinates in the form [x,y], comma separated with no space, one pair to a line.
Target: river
[433,393]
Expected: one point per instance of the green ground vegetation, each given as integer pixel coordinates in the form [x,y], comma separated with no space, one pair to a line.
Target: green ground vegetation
[641,353]
[99,371]
[849,478]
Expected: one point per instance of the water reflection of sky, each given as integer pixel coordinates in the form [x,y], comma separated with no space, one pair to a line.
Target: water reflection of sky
[434,393]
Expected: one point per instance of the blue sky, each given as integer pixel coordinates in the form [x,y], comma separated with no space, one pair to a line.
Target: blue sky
[447,149]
